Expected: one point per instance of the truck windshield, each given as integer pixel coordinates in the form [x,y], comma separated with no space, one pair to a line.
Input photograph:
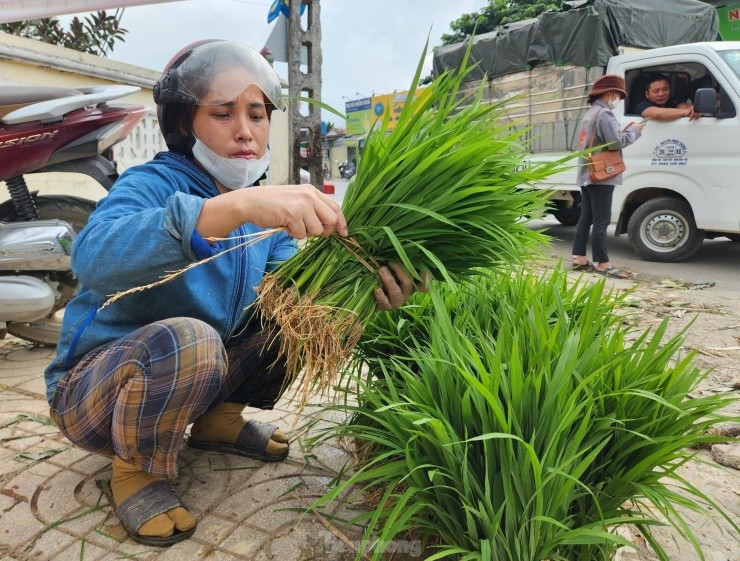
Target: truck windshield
[733,60]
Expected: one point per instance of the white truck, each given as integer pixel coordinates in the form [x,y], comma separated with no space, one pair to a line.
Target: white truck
[682,183]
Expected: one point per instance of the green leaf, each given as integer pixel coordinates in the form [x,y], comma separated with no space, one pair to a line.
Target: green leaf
[36,456]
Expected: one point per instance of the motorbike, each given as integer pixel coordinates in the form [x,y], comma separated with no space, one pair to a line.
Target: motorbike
[347,170]
[49,129]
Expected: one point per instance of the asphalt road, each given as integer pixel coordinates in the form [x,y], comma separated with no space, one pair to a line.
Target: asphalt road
[717,261]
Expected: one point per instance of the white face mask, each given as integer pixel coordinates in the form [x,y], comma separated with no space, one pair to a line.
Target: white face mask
[232,173]
[612,103]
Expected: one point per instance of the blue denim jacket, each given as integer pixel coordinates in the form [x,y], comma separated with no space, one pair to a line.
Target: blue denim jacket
[143,229]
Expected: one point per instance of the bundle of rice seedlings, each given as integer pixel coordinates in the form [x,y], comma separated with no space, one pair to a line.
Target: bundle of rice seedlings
[514,421]
[441,193]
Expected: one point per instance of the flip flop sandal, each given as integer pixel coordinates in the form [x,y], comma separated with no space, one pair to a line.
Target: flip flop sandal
[587,266]
[613,273]
[156,498]
[251,443]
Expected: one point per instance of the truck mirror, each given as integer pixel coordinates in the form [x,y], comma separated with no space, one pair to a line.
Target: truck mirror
[705,101]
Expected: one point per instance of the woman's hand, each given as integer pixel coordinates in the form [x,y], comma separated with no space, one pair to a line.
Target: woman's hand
[398,286]
[301,209]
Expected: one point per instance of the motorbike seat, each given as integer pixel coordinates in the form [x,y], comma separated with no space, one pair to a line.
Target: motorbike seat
[14,96]
[54,109]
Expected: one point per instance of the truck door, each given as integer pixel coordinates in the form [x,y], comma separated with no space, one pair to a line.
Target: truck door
[681,178]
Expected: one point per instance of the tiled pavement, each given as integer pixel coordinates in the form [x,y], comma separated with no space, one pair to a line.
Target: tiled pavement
[51,508]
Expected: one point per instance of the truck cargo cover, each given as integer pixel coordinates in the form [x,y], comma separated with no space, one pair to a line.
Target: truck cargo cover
[588,34]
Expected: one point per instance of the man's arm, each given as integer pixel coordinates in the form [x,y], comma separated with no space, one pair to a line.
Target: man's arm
[667,113]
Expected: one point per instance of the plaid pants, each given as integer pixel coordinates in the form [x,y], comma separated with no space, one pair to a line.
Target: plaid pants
[135,396]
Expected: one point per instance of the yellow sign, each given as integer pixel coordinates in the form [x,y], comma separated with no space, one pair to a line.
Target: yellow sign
[364,114]
[394,103]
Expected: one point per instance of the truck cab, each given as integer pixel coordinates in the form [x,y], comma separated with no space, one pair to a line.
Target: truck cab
[682,182]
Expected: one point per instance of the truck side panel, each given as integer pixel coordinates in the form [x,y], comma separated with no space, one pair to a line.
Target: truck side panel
[548,100]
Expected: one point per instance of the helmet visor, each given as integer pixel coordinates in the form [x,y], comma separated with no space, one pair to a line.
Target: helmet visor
[216,73]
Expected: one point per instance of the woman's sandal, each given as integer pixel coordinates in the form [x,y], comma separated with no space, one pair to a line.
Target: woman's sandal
[156,498]
[613,273]
[251,443]
[587,266]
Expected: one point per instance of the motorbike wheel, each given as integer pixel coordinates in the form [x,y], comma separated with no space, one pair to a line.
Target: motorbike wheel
[75,211]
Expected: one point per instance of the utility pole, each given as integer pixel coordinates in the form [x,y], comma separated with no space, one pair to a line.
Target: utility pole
[306,84]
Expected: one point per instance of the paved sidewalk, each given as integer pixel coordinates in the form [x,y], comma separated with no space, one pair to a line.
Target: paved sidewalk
[52,509]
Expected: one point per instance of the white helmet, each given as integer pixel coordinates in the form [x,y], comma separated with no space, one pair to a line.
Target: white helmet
[187,78]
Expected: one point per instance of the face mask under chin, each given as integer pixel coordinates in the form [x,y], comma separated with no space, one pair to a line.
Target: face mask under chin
[232,173]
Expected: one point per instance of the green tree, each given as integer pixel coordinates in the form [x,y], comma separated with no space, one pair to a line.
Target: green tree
[496,14]
[95,34]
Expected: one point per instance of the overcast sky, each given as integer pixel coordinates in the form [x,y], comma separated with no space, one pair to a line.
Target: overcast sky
[368,45]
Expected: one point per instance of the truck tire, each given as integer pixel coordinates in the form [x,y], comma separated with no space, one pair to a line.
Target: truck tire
[75,211]
[568,216]
[664,230]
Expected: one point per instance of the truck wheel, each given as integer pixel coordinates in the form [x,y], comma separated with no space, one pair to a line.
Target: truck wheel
[568,216]
[75,211]
[664,230]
